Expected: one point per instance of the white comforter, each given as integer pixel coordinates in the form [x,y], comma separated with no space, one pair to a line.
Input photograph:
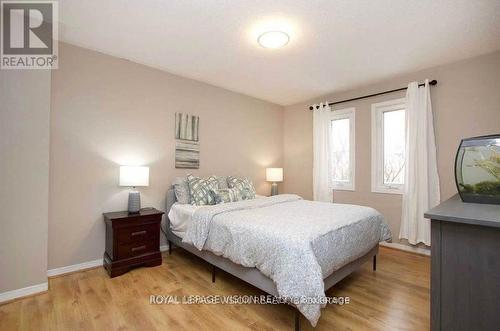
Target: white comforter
[297,243]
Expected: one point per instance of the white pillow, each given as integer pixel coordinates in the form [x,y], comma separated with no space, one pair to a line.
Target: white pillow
[181,189]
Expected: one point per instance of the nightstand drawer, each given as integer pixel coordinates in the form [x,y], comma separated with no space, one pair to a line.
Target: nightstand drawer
[137,233]
[136,248]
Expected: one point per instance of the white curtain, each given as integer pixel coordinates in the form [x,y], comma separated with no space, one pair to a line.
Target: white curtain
[421,190]
[321,145]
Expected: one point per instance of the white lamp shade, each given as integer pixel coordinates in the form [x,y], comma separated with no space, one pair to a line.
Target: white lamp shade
[134,176]
[274,174]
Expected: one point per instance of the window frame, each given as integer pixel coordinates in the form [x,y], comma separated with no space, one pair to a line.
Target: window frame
[340,114]
[377,168]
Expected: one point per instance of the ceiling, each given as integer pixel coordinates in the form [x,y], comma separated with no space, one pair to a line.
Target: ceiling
[334,45]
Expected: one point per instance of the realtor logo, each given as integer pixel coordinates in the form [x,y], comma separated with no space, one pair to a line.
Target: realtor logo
[29,34]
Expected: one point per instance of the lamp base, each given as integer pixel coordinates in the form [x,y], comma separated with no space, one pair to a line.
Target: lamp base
[274,189]
[134,202]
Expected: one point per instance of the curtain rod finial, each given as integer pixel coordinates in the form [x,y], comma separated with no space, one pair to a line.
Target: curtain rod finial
[433,82]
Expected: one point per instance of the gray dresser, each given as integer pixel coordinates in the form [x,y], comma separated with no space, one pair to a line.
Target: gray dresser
[465,266]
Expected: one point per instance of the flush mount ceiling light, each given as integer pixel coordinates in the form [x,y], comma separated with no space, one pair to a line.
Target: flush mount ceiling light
[273,39]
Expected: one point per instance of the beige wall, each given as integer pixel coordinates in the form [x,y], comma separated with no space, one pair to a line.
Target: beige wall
[24,177]
[108,111]
[466,102]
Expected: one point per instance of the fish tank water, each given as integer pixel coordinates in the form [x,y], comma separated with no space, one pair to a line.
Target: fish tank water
[477,169]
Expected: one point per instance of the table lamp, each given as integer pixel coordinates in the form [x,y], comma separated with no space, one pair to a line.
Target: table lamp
[274,175]
[132,177]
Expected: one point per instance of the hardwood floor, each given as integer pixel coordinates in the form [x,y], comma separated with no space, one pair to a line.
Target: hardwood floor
[395,297]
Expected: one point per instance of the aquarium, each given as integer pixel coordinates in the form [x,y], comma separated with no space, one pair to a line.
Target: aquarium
[477,169]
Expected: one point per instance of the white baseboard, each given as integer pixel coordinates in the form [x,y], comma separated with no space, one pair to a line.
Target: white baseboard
[74,267]
[402,247]
[22,292]
[84,265]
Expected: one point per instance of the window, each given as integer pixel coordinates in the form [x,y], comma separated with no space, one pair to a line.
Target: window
[342,149]
[388,146]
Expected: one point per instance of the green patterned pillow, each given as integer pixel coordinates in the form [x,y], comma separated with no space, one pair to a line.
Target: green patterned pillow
[227,195]
[243,184]
[222,180]
[199,189]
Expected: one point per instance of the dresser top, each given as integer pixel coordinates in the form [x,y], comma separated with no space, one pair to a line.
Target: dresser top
[454,210]
[125,214]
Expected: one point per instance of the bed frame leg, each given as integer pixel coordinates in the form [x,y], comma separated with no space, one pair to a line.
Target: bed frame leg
[169,247]
[297,320]
[213,273]
[374,262]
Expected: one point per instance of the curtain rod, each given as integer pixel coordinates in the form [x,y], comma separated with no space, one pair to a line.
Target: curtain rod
[432,82]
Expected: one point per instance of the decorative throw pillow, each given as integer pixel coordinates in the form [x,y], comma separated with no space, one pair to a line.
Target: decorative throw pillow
[243,184]
[225,195]
[181,189]
[199,189]
[222,182]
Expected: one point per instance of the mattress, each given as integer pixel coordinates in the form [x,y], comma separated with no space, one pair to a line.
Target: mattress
[180,216]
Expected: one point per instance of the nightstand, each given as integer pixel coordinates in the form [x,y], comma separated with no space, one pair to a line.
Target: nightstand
[132,240]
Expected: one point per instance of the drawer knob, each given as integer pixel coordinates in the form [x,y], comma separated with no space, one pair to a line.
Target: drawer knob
[140,248]
[138,233]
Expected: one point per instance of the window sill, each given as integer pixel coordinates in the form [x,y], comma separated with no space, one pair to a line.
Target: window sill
[343,189]
[387,191]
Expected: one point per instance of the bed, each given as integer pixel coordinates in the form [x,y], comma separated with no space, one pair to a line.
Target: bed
[248,240]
